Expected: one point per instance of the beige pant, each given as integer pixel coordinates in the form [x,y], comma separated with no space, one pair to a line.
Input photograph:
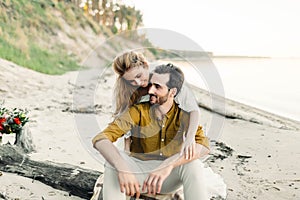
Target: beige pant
[190,176]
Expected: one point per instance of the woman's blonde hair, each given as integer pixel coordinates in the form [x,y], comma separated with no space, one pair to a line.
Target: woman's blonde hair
[125,94]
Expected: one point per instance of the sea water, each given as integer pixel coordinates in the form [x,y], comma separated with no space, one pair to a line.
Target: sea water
[271,84]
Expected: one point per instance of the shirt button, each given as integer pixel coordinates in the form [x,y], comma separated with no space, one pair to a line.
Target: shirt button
[160,154]
[162,140]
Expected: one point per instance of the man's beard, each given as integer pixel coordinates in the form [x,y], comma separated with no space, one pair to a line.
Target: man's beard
[159,100]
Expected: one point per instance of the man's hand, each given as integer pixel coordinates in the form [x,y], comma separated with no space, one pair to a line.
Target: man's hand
[188,148]
[154,181]
[129,184]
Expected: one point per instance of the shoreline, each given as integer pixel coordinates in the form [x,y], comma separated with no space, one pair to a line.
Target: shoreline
[262,164]
[238,110]
[243,81]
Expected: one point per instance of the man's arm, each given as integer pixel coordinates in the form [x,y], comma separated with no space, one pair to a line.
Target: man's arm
[103,143]
[111,154]
[155,179]
[127,180]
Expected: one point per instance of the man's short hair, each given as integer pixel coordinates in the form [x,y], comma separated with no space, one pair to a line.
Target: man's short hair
[176,75]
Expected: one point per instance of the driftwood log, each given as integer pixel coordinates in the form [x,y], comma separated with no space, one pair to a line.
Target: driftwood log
[77,181]
[73,179]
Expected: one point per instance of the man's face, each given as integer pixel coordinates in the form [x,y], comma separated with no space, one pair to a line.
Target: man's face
[159,91]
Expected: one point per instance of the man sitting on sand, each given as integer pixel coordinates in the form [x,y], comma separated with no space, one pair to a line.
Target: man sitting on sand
[155,164]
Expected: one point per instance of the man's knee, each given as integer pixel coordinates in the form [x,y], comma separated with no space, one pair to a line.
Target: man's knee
[110,173]
[195,164]
[192,169]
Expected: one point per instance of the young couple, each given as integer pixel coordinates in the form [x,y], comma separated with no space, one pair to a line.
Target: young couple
[165,141]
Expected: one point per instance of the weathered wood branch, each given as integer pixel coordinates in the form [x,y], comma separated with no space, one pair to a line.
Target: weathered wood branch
[24,140]
[75,180]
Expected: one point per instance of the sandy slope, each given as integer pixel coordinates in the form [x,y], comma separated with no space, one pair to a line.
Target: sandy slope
[257,159]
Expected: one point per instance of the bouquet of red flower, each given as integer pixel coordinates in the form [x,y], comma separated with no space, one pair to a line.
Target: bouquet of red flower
[12,121]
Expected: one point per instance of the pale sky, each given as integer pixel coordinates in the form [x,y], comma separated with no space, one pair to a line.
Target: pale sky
[230,27]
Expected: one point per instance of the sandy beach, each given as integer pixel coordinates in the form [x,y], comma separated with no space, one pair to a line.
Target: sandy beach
[256,153]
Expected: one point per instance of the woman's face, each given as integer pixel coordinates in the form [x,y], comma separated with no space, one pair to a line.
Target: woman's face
[137,76]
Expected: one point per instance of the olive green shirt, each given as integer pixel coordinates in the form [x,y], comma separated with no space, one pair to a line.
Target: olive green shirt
[152,139]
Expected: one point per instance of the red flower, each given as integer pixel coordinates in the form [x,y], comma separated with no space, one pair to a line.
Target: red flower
[2,120]
[1,127]
[17,120]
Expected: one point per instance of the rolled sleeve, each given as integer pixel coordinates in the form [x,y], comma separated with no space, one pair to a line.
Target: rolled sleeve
[121,125]
[200,138]
[112,133]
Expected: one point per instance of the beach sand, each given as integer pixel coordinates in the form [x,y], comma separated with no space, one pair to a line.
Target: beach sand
[256,153]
